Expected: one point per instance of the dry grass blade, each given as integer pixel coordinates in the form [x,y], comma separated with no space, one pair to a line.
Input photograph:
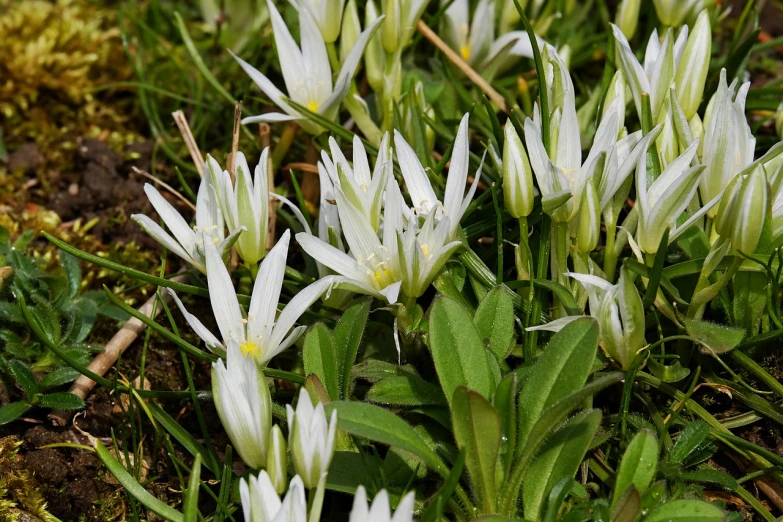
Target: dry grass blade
[165,186]
[231,163]
[190,141]
[463,66]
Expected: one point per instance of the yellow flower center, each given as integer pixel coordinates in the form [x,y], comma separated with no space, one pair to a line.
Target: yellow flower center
[425,249]
[248,348]
[465,52]
[313,106]
[381,275]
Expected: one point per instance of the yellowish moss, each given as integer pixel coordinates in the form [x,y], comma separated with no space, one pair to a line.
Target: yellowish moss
[20,493]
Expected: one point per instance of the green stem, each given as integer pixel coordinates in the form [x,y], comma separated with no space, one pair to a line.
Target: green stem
[362,119]
[537,305]
[334,60]
[283,144]
[559,261]
[703,296]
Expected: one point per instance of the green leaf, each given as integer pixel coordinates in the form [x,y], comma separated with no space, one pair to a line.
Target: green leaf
[686,510]
[750,299]
[347,338]
[350,469]
[319,355]
[380,425]
[638,465]
[190,503]
[715,338]
[457,350]
[712,476]
[477,432]
[58,377]
[11,412]
[505,402]
[135,489]
[562,369]
[62,401]
[23,376]
[627,506]
[494,320]
[73,273]
[689,440]
[406,390]
[181,435]
[559,458]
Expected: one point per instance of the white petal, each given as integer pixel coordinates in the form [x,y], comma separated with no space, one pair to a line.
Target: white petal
[162,237]
[419,188]
[458,171]
[176,223]
[266,292]
[202,331]
[223,297]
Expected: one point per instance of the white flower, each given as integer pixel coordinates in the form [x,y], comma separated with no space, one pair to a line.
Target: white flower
[246,204]
[470,36]
[363,189]
[306,71]
[728,145]
[260,502]
[518,189]
[380,511]
[242,401]
[742,210]
[311,439]
[258,335]
[661,204]
[619,312]
[326,13]
[455,201]
[188,243]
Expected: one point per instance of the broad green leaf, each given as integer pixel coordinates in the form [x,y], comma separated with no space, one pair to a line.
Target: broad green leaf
[638,465]
[374,370]
[712,476]
[347,338]
[494,320]
[319,355]
[23,376]
[714,338]
[559,458]
[627,506]
[58,377]
[133,488]
[350,469]
[559,493]
[505,402]
[562,369]
[190,504]
[668,372]
[406,390]
[457,350]
[380,425]
[686,510]
[691,438]
[73,273]
[11,412]
[62,401]
[477,432]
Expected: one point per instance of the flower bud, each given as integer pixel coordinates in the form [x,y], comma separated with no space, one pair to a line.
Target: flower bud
[589,227]
[743,209]
[390,32]
[243,404]
[250,208]
[311,439]
[374,54]
[693,66]
[616,91]
[672,13]
[351,29]
[277,459]
[518,190]
[627,17]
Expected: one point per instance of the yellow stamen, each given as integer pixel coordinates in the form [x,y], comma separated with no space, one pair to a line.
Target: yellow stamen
[248,348]
[380,273]
[465,52]
[425,249]
[313,106]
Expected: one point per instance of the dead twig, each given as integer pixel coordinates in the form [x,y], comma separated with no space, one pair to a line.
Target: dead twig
[190,141]
[117,345]
[231,163]
[165,186]
[463,66]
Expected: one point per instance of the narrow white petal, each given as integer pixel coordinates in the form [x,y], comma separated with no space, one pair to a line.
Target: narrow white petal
[223,297]
[212,342]
[266,292]
[416,181]
[458,172]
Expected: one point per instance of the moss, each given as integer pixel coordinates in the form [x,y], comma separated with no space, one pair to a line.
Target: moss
[20,493]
